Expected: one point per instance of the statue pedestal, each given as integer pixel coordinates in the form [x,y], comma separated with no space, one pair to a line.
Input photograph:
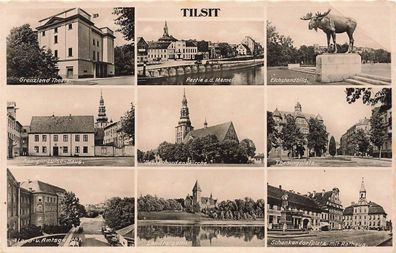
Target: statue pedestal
[337,67]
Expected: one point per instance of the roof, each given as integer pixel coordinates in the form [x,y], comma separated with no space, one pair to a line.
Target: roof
[190,44]
[296,200]
[158,45]
[127,231]
[374,208]
[220,131]
[167,38]
[62,124]
[196,187]
[38,186]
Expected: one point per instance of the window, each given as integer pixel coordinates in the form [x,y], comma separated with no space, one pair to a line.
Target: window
[36,137]
[77,149]
[65,149]
[70,26]
[44,149]
[98,56]
[56,53]
[36,149]
[93,55]
[85,137]
[77,137]
[97,43]
[44,138]
[55,137]
[43,33]
[70,51]
[85,149]
[56,39]
[56,30]
[65,138]
[93,42]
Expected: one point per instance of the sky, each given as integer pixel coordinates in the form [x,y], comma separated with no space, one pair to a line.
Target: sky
[377,183]
[213,30]
[159,112]
[19,16]
[73,100]
[107,183]
[177,183]
[373,22]
[329,102]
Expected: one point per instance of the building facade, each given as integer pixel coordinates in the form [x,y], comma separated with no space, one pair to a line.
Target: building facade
[332,210]
[62,136]
[82,49]
[14,129]
[302,122]
[142,50]
[364,215]
[185,132]
[196,202]
[347,146]
[386,149]
[115,136]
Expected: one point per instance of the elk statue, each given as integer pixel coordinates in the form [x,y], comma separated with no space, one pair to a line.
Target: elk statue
[332,24]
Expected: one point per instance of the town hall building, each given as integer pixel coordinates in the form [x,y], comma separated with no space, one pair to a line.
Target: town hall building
[82,49]
[185,132]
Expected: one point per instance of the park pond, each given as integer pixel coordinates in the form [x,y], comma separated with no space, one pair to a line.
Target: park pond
[200,235]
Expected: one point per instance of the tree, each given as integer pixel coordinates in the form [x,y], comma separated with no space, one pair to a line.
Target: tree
[123,60]
[140,156]
[119,212]
[377,131]
[211,149]
[360,142]
[149,156]
[370,97]
[332,147]
[280,49]
[248,147]
[166,151]
[292,137]
[126,20]
[128,124]
[272,133]
[317,136]
[225,50]
[25,58]
[70,210]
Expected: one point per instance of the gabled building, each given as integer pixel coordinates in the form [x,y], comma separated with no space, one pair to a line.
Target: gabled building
[185,131]
[61,136]
[196,200]
[332,210]
[14,130]
[142,50]
[364,214]
[82,49]
[347,147]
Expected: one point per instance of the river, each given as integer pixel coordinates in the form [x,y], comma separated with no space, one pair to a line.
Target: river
[200,235]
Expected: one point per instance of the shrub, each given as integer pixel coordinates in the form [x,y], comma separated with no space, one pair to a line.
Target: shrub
[56,229]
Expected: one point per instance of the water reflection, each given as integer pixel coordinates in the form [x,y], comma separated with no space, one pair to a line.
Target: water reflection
[196,235]
[246,76]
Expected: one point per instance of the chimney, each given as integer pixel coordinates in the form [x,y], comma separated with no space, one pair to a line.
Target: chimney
[280,187]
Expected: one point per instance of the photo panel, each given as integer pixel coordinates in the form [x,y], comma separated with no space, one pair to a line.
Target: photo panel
[71,127]
[48,207]
[329,127]
[200,127]
[188,207]
[297,55]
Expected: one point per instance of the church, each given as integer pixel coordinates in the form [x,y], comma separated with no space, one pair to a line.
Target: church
[197,199]
[185,132]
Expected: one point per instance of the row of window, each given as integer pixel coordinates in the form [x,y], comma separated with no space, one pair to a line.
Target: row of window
[371,217]
[64,149]
[70,27]
[94,56]
[97,42]
[56,138]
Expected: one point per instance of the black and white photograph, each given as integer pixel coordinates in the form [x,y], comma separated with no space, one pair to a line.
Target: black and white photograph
[329,127]
[71,127]
[345,208]
[50,208]
[205,51]
[200,127]
[71,46]
[190,208]
[338,43]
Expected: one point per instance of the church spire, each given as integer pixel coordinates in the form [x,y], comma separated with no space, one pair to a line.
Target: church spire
[166,33]
[362,192]
[102,118]
[205,123]
[184,125]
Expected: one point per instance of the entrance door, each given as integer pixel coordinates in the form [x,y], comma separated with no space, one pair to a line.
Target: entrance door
[305,223]
[69,72]
[55,151]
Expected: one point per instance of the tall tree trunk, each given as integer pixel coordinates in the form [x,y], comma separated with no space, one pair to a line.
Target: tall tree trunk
[379,155]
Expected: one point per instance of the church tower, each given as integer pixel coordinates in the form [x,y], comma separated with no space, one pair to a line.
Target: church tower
[184,125]
[298,108]
[196,192]
[362,193]
[166,33]
[101,120]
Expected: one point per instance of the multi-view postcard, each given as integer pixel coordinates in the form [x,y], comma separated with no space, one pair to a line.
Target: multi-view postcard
[189,127]
[340,43]
[72,46]
[190,208]
[81,127]
[205,50]
[345,208]
[329,127]
[50,208]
